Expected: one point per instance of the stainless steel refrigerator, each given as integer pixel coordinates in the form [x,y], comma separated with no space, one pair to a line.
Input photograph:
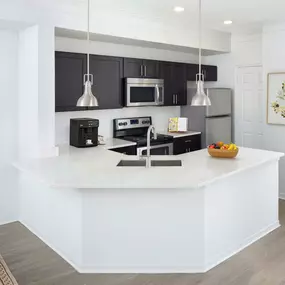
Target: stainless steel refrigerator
[215,121]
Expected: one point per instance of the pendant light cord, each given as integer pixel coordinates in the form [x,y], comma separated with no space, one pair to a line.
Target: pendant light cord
[200,38]
[88,42]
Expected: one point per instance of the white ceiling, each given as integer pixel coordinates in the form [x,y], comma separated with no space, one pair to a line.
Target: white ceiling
[247,15]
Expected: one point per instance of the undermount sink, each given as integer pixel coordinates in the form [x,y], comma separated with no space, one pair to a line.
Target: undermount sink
[154,163]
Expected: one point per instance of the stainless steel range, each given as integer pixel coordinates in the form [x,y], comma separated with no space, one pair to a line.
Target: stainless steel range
[135,130]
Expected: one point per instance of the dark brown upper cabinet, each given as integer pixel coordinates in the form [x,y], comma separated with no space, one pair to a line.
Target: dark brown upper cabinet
[141,68]
[175,83]
[108,80]
[109,71]
[210,72]
[69,71]
[69,85]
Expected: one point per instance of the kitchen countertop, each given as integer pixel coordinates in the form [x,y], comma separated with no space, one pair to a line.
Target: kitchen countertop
[95,168]
[117,143]
[180,135]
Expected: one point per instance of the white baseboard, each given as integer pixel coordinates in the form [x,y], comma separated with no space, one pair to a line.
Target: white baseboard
[247,242]
[141,270]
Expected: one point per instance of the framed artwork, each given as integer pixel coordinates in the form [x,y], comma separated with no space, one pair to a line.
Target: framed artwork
[276,98]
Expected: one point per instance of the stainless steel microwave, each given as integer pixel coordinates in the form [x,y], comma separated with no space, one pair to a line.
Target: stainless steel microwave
[144,92]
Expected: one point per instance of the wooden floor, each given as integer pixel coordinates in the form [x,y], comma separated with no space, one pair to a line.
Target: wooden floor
[32,262]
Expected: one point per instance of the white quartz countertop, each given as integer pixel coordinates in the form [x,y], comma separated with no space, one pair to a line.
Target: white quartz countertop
[117,143]
[96,168]
[180,135]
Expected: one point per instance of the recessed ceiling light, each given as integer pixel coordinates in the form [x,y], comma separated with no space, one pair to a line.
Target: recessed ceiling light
[178,9]
[228,22]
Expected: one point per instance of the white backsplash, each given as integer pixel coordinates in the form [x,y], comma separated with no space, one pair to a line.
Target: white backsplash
[160,116]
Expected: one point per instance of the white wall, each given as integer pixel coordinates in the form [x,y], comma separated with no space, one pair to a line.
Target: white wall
[274,61]
[160,115]
[8,126]
[246,51]
[36,91]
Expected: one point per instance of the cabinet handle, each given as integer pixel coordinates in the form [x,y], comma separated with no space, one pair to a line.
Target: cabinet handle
[173,99]
[145,70]
[188,141]
[176,99]
[141,70]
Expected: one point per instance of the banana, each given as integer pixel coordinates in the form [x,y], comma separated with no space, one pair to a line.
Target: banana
[231,147]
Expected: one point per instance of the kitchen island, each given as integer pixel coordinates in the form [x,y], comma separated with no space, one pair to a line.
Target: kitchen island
[107,219]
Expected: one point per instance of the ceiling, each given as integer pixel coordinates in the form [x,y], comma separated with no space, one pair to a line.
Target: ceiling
[247,15]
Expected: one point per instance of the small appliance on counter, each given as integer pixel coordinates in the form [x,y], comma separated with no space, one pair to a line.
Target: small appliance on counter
[135,130]
[84,132]
[177,125]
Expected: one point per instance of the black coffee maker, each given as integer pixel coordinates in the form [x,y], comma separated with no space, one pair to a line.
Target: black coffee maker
[84,132]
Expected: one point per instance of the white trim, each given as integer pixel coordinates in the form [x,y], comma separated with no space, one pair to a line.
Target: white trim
[247,242]
[250,65]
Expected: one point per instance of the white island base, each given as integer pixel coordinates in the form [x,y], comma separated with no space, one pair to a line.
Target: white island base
[154,230]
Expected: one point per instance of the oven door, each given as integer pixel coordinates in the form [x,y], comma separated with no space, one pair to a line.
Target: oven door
[162,149]
[144,92]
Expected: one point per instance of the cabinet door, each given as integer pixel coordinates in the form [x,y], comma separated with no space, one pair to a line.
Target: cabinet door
[192,70]
[187,144]
[133,67]
[179,83]
[151,68]
[179,146]
[69,71]
[210,72]
[195,142]
[107,87]
[166,74]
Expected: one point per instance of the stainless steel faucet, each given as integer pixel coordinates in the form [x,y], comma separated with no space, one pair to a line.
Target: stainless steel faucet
[148,159]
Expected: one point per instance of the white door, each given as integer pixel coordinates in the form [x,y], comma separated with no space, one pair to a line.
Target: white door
[249,101]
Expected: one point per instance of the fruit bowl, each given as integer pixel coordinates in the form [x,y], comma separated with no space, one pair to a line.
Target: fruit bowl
[223,153]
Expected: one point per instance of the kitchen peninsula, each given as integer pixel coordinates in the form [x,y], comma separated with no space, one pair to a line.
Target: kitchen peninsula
[106,219]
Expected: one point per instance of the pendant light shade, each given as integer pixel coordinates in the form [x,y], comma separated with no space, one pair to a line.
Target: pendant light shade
[88,99]
[200,98]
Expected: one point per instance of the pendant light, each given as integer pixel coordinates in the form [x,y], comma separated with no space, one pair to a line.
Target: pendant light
[200,98]
[88,99]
